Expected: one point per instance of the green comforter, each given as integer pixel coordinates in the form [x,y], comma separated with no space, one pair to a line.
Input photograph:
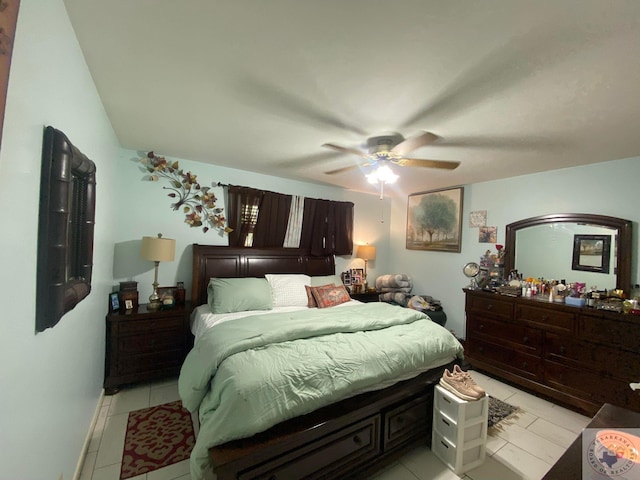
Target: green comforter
[246,375]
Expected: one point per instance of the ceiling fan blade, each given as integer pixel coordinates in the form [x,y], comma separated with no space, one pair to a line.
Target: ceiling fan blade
[410,144]
[354,151]
[417,162]
[346,169]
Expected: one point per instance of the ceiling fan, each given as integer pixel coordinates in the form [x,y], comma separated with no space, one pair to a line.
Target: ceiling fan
[392,148]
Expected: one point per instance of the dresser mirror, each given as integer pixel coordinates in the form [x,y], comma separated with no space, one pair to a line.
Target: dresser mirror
[545,246]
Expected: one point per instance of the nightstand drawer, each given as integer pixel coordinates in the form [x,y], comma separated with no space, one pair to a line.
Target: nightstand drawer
[129,364]
[154,341]
[148,325]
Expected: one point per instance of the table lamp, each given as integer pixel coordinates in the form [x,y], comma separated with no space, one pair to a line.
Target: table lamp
[366,252]
[157,249]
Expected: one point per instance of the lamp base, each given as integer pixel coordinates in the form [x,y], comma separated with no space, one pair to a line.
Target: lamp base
[154,299]
[154,305]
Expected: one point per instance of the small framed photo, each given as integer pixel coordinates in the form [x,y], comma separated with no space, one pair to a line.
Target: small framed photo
[478,218]
[488,234]
[357,274]
[128,304]
[114,302]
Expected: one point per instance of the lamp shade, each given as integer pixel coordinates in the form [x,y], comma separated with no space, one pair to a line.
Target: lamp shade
[366,252]
[158,249]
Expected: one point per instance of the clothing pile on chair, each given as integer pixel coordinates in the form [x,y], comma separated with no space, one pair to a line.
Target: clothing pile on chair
[396,288]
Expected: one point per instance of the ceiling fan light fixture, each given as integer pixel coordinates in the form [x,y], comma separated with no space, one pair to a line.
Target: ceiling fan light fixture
[382,174]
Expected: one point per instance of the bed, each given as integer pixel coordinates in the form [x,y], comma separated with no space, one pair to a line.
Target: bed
[321,421]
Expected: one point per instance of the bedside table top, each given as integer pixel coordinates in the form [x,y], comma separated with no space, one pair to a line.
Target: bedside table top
[143,310]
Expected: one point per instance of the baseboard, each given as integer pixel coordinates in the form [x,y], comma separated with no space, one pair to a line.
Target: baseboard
[87,440]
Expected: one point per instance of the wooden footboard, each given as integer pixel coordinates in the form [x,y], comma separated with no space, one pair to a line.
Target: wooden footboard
[349,439]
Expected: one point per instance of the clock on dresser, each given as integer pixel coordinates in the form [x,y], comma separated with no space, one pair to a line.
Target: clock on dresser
[144,345]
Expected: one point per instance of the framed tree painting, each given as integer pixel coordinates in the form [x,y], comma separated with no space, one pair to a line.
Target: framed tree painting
[434,220]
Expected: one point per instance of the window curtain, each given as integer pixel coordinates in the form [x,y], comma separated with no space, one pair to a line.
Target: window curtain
[327,227]
[273,215]
[260,218]
[294,226]
[242,210]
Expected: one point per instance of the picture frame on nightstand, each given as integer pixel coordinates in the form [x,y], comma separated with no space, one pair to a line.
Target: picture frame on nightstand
[114,302]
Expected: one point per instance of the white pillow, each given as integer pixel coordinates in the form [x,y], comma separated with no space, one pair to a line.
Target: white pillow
[287,290]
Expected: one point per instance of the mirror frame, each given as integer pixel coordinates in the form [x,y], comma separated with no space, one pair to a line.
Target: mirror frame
[623,254]
[65,228]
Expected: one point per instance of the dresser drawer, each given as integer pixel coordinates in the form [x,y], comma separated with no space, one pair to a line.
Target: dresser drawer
[146,325]
[546,318]
[492,306]
[319,459]
[596,358]
[614,332]
[406,422]
[590,385]
[528,339]
[525,365]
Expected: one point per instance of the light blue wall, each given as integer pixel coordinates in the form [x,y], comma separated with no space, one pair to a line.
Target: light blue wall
[607,188]
[50,382]
[145,209]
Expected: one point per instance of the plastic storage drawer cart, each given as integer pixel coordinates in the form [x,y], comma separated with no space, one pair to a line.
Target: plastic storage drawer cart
[459,436]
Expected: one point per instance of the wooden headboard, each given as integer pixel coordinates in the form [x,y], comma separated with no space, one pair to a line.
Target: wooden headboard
[230,262]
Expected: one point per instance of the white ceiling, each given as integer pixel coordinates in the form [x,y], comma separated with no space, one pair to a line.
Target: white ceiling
[510,86]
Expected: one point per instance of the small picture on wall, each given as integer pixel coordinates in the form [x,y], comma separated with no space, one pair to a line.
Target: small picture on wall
[488,235]
[478,218]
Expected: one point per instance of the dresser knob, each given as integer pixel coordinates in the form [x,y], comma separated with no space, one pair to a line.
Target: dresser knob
[357,440]
[525,339]
[481,326]
[490,306]
[562,349]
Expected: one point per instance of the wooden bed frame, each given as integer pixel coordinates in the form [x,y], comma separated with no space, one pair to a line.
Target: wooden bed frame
[349,439]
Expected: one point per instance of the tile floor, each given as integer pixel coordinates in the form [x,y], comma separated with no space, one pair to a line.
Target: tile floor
[525,449]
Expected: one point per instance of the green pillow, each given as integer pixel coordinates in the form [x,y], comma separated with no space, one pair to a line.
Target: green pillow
[229,295]
[325,280]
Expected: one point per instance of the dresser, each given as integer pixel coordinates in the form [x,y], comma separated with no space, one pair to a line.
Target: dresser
[144,345]
[579,356]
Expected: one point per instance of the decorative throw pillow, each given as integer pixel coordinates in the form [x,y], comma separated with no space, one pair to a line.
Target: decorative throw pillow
[288,290]
[311,301]
[229,295]
[330,295]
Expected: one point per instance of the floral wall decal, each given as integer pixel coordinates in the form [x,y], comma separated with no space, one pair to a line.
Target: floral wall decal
[197,202]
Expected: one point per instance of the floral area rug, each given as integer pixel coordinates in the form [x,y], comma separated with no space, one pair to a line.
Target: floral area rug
[156,437]
[500,414]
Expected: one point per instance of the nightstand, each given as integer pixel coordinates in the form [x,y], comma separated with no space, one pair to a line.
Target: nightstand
[144,345]
[366,297]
